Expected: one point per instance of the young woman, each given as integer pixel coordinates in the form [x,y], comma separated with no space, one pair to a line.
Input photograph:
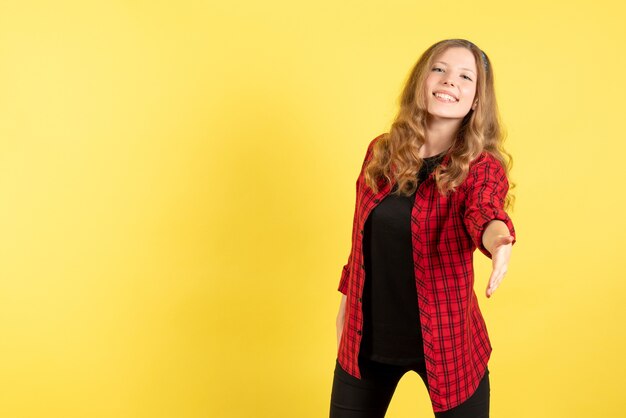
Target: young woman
[429,193]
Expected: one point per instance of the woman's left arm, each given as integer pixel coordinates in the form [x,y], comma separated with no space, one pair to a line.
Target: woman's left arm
[498,242]
[489,226]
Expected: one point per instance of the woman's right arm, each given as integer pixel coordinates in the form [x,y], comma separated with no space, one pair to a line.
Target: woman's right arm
[345,274]
[340,318]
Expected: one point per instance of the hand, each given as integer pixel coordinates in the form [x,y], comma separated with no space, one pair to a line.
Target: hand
[500,261]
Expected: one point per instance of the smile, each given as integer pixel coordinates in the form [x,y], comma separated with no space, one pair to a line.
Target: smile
[445,98]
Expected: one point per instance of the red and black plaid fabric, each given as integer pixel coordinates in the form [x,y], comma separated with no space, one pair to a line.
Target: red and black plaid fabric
[446,231]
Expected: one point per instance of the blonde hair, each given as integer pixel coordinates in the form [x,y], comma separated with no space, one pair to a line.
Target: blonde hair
[395,154]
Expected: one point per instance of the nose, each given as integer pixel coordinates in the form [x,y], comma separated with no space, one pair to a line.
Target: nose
[448,82]
[447,79]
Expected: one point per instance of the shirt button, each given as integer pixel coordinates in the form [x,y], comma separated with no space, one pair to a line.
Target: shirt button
[376,200]
[363,265]
[358,331]
[359,299]
[361,232]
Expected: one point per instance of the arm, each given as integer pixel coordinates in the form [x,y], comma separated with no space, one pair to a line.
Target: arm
[489,226]
[340,318]
[495,228]
[484,216]
[345,271]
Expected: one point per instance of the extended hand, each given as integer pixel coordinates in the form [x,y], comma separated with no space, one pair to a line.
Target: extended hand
[500,261]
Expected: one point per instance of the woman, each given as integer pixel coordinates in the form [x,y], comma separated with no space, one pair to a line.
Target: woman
[429,193]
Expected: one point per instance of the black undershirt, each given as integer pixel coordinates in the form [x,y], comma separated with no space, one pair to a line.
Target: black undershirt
[391,324]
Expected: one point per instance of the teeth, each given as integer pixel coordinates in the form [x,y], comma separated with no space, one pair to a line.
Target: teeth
[445,96]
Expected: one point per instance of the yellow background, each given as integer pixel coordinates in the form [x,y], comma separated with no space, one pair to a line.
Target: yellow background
[177,190]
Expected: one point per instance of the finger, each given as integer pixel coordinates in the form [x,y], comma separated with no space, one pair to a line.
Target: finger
[496,282]
[490,290]
[491,285]
[492,279]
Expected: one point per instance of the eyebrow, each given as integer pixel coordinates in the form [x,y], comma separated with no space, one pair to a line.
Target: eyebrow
[443,62]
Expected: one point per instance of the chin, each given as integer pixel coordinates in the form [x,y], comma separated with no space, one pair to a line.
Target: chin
[443,115]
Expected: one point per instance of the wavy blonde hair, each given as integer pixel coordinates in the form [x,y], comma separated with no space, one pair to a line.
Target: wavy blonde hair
[395,154]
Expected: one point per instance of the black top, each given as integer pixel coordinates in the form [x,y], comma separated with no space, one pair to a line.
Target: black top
[391,323]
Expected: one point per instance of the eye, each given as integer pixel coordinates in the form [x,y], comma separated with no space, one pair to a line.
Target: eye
[437,68]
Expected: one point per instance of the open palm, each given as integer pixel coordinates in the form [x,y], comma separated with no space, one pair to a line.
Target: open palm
[500,262]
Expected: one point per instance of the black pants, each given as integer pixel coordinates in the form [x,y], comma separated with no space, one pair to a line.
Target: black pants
[370,396]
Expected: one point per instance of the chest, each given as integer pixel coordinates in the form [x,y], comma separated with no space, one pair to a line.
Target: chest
[432,214]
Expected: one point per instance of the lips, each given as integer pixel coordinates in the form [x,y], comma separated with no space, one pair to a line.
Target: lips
[445,92]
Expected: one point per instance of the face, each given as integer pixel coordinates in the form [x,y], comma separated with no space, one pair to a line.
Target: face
[453,72]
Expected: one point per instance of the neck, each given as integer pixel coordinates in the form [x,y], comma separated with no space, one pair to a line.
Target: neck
[440,136]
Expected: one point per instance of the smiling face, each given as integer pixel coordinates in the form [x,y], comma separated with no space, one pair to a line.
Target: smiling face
[453,73]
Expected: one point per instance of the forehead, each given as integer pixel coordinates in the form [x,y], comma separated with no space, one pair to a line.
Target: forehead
[461,58]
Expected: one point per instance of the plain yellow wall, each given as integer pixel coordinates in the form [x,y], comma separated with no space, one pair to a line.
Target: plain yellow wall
[177,190]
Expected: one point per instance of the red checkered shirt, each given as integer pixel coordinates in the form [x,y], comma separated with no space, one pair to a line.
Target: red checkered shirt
[445,233]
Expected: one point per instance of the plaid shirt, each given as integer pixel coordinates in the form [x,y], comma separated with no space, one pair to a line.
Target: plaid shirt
[446,231]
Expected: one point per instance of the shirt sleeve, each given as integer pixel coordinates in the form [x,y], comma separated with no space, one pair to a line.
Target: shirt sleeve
[343,282]
[485,198]
[345,272]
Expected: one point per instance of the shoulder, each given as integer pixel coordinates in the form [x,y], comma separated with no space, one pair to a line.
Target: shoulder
[374,141]
[370,147]
[485,161]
